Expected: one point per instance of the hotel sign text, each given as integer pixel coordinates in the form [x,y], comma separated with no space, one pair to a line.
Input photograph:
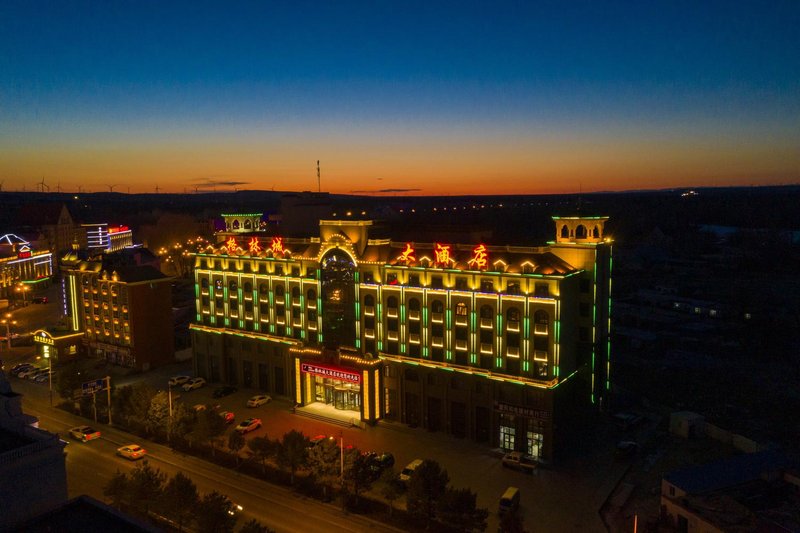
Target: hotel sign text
[333,373]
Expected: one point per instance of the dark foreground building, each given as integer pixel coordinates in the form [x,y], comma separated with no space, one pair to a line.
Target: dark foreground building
[506,345]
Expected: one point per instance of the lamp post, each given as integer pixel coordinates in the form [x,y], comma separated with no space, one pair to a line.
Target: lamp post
[24,290]
[8,323]
[49,372]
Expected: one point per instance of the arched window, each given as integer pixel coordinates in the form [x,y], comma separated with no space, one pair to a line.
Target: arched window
[263,289]
[391,302]
[311,295]
[528,268]
[248,287]
[232,285]
[437,306]
[235,224]
[247,224]
[487,312]
[279,290]
[512,315]
[541,317]
[369,300]
[204,283]
[218,284]
[564,232]
[580,232]
[295,292]
[413,304]
[461,309]
[596,232]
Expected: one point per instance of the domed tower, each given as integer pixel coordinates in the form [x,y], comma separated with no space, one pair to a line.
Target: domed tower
[582,242]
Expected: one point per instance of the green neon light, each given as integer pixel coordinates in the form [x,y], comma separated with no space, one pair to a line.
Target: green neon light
[241,324]
[227,322]
[358,343]
[272,328]
[358,310]
[449,355]
[402,313]
[472,320]
[424,351]
[425,315]
[448,318]
[199,317]
[526,366]
[473,358]
[380,345]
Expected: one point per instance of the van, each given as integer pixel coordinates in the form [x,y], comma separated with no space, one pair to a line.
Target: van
[405,474]
[509,501]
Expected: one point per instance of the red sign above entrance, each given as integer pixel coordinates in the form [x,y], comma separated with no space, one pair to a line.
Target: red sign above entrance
[330,372]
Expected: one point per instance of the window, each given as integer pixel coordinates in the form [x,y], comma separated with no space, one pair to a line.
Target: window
[369,277]
[461,309]
[391,324]
[263,290]
[218,284]
[369,301]
[512,288]
[204,283]
[564,232]
[391,302]
[295,292]
[311,295]
[580,232]
[232,285]
[542,290]
[512,315]
[413,304]
[436,282]
[391,278]
[248,287]
[487,285]
[585,309]
[413,280]
[279,290]
[437,306]
[596,232]
[296,271]
[487,312]
[461,284]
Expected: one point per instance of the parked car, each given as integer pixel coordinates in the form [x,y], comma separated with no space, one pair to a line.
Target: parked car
[379,462]
[175,381]
[520,461]
[28,371]
[84,433]
[194,383]
[406,473]
[39,372]
[626,448]
[223,391]
[19,368]
[40,299]
[258,400]
[227,416]
[246,426]
[199,407]
[42,378]
[131,451]
[317,439]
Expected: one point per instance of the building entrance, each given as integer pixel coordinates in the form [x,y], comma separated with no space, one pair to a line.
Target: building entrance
[343,395]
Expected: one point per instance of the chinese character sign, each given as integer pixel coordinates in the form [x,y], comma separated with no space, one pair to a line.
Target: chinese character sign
[480,259]
[230,244]
[442,254]
[254,246]
[277,246]
[408,254]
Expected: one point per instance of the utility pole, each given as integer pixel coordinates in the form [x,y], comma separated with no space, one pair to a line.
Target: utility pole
[319,183]
[108,389]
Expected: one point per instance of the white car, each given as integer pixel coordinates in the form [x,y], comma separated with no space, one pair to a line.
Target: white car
[194,383]
[84,433]
[29,371]
[258,400]
[174,381]
[131,451]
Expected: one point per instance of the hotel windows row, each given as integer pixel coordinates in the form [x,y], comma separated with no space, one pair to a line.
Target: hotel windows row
[466,283]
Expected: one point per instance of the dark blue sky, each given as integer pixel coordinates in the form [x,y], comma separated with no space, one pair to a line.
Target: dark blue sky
[304,78]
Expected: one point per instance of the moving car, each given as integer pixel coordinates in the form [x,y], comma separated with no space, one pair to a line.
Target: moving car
[174,381]
[227,416]
[220,392]
[246,426]
[40,299]
[194,383]
[16,369]
[520,461]
[258,400]
[131,451]
[84,433]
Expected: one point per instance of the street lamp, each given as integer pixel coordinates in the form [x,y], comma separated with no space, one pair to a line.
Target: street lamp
[8,323]
[46,350]
[24,290]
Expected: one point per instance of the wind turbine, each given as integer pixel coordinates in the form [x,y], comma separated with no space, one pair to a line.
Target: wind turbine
[1,185]
[111,187]
[58,187]
[42,185]
[195,188]
[157,189]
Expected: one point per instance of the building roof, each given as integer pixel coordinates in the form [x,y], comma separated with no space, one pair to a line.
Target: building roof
[134,274]
[45,214]
[727,472]
[82,514]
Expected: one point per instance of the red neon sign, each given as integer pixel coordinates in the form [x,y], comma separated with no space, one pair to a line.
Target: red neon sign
[408,254]
[442,254]
[254,246]
[118,229]
[231,244]
[480,259]
[330,372]
[277,246]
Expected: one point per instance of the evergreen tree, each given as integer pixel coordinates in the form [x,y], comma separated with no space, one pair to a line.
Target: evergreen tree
[293,451]
[426,486]
[146,486]
[457,508]
[180,499]
[215,514]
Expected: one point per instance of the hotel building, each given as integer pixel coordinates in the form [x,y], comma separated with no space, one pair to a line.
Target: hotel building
[506,345]
[21,264]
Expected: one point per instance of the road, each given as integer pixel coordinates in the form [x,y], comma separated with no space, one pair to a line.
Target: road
[91,465]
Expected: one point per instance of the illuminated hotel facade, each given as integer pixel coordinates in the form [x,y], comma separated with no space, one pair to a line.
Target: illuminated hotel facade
[506,345]
[19,263]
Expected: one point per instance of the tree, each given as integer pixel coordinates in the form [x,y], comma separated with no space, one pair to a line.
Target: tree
[390,487]
[323,461]
[236,442]
[512,523]
[359,472]
[67,380]
[117,488]
[292,452]
[180,499]
[262,449]
[254,526]
[132,404]
[158,414]
[426,486]
[146,486]
[215,514]
[457,508]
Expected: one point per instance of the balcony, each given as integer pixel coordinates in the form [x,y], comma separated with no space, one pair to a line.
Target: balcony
[437,342]
[413,315]
[486,348]
[369,333]
[512,351]
[312,326]
[461,320]
[487,323]
[391,312]
[461,345]
[540,329]
[437,318]
[392,335]
[369,310]
[413,338]
[539,355]
[513,325]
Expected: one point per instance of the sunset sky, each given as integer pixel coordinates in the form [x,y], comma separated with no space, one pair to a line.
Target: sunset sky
[399,97]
